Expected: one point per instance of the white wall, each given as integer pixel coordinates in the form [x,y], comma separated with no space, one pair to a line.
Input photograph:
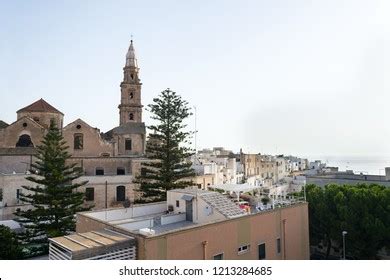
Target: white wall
[173,218]
[128,213]
[200,213]
[137,225]
[171,200]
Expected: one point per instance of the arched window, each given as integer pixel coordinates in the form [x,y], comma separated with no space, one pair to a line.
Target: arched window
[131,95]
[24,141]
[131,116]
[120,193]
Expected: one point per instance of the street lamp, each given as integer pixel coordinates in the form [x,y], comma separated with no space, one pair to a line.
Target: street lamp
[344,233]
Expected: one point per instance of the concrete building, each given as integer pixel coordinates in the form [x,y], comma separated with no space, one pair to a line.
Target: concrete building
[296,164]
[196,224]
[263,169]
[109,160]
[216,166]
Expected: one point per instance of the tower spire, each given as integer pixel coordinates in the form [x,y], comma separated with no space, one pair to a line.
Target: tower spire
[131,59]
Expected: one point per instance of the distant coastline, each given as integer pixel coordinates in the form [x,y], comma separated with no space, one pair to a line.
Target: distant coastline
[372,165]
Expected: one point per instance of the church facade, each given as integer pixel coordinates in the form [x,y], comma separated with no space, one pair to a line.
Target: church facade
[109,160]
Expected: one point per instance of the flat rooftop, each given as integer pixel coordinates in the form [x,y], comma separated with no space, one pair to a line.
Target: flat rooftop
[138,217]
[154,218]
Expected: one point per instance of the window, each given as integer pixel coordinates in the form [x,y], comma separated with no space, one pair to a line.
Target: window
[128,144]
[218,257]
[262,251]
[131,95]
[89,194]
[177,203]
[78,141]
[278,246]
[131,116]
[243,249]
[1,194]
[24,141]
[99,171]
[120,193]
[120,171]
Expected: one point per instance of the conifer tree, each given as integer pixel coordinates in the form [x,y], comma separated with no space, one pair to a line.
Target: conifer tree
[167,149]
[55,198]
[10,248]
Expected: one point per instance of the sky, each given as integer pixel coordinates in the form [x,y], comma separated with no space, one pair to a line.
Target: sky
[276,77]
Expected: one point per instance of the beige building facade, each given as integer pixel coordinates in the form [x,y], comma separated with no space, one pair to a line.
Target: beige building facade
[198,225]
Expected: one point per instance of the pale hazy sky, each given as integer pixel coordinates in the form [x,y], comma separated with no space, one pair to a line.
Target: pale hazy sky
[295,77]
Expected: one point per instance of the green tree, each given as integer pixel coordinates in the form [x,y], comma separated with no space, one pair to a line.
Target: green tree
[362,210]
[9,245]
[55,198]
[167,149]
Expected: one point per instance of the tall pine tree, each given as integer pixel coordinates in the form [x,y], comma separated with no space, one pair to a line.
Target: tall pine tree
[167,149]
[55,198]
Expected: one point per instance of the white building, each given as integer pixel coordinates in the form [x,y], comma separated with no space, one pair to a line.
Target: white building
[219,163]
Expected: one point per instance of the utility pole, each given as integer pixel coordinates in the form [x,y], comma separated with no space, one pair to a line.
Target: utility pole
[344,233]
[195,131]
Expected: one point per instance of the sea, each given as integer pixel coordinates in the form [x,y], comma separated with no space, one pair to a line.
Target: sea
[371,165]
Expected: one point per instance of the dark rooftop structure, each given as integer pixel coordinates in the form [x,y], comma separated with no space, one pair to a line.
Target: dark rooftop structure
[40,106]
[3,124]
[127,128]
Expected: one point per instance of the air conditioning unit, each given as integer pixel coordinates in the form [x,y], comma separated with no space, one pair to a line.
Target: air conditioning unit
[147,231]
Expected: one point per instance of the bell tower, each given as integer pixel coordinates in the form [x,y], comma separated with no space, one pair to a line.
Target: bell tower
[130,108]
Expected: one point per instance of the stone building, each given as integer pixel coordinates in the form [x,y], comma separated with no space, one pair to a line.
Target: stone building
[262,168]
[109,160]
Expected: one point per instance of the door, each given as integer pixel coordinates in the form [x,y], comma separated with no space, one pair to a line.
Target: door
[189,210]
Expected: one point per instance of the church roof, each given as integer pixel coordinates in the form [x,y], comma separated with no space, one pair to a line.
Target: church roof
[127,128]
[40,106]
[3,124]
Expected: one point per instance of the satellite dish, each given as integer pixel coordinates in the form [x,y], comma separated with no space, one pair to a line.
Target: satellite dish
[126,203]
